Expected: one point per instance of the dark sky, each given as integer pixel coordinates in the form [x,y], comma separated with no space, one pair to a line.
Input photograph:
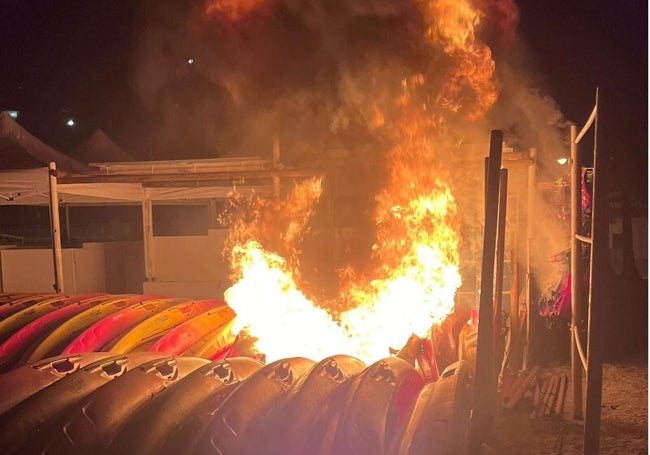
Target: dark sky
[75,57]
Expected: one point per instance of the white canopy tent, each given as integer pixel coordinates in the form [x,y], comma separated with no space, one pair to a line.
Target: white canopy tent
[141,183]
[31,187]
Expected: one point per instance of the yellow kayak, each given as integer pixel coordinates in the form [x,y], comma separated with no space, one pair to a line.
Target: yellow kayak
[213,342]
[58,339]
[180,338]
[21,318]
[159,324]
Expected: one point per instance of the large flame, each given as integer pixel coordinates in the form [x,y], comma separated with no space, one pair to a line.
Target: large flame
[469,83]
[415,272]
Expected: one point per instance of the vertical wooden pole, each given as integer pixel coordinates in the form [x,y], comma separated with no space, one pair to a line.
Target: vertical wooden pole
[485,382]
[595,334]
[147,235]
[500,254]
[576,274]
[276,165]
[515,351]
[67,222]
[530,203]
[55,226]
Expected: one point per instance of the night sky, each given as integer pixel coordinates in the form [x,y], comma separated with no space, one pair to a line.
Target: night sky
[74,58]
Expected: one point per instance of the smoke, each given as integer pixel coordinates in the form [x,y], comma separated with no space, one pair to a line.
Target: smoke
[326,75]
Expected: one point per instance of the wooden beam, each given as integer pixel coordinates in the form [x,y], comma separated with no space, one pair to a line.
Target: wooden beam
[485,383]
[500,255]
[195,177]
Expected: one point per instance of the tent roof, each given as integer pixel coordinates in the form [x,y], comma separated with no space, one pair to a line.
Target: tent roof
[31,187]
[19,149]
[100,148]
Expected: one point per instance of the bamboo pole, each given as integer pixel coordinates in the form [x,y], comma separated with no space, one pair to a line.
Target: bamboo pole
[485,382]
[55,229]
[559,405]
[576,272]
[519,391]
[552,396]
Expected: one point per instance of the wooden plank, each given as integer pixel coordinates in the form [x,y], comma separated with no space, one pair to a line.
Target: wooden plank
[485,385]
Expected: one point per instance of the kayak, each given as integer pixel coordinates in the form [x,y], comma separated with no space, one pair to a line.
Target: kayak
[100,334]
[159,324]
[61,336]
[180,338]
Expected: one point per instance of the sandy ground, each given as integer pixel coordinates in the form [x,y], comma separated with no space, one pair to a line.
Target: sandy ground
[624,418]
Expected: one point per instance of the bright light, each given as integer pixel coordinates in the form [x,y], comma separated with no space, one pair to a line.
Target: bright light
[190,61]
[562,161]
[13,114]
[70,122]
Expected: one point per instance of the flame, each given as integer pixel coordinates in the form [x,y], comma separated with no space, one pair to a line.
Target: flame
[469,84]
[415,269]
[232,11]
[271,308]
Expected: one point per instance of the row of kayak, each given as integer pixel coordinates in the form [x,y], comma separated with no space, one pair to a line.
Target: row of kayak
[148,402]
[38,326]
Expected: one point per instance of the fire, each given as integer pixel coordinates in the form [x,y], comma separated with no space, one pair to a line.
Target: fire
[469,84]
[416,262]
[271,308]
[232,10]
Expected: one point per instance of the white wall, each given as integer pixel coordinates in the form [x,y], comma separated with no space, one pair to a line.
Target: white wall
[189,266]
[32,270]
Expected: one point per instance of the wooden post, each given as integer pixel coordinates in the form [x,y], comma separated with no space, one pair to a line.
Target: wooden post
[147,235]
[276,165]
[514,360]
[576,274]
[55,227]
[485,382]
[530,208]
[595,334]
[500,254]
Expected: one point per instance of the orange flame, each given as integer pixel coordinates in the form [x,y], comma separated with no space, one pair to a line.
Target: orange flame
[469,85]
[416,255]
[270,307]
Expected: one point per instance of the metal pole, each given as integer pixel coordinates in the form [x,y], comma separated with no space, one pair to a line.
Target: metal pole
[576,274]
[147,231]
[485,383]
[55,226]
[599,254]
